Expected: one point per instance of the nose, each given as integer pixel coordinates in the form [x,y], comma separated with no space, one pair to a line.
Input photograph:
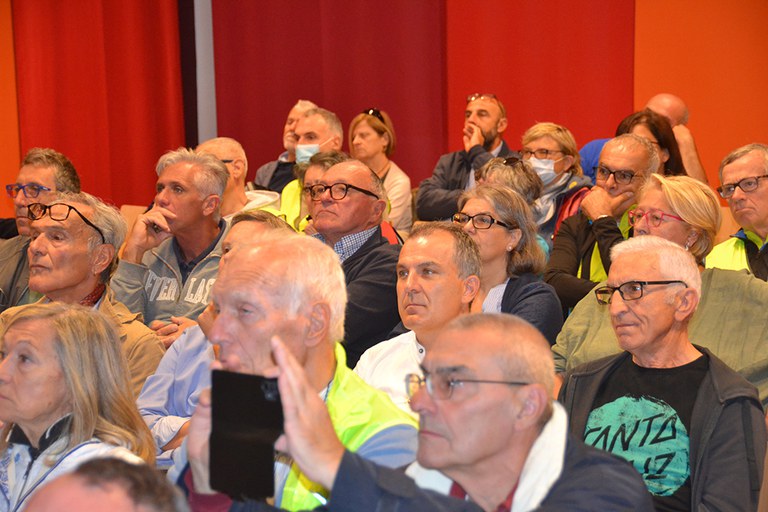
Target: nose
[642,226]
[738,194]
[20,200]
[421,402]
[218,333]
[161,197]
[617,305]
[468,227]
[4,369]
[36,246]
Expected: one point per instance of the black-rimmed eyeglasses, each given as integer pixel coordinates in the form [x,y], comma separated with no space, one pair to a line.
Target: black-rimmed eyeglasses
[440,387]
[631,290]
[479,221]
[746,184]
[338,191]
[59,212]
[30,190]
[622,177]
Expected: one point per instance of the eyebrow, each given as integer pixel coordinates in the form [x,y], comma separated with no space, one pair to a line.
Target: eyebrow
[459,368]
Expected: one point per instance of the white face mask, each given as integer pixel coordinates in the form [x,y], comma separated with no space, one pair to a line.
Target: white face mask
[544,168]
[306,151]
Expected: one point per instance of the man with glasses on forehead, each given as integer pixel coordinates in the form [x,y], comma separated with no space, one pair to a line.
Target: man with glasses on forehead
[743,175]
[72,254]
[485,120]
[490,436]
[43,173]
[691,426]
[346,203]
[580,256]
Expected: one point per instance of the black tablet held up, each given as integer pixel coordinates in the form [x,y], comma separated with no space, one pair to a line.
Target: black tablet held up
[247,420]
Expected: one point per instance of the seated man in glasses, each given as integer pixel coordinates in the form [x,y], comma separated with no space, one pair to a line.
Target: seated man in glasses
[743,178]
[43,173]
[490,436]
[72,254]
[580,256]
[485,121]
[346,203]
[691,426]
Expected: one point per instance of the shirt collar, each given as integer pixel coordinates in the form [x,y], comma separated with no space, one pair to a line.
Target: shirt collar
[349,244]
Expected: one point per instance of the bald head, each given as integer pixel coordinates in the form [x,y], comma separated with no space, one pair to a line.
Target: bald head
[515,346]
[670,106]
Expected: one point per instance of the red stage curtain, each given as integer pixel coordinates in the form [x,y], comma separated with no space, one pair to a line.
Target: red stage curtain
[565,61]
[343,55]
[100,82]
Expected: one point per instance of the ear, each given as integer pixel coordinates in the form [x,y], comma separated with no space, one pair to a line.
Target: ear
[568,161]
[319,324]
[378,210]
[513,239]
[693,237]
[470,289]
[664,156]
[210,204]
[387,142]
[533,402]
[502,125]
[685,303]
[238,169]
[336,143]
[102,257]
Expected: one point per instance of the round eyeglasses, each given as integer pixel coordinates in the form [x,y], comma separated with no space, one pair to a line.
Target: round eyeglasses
[746,184]
[440,387]
[338,191]
[653,216]
[631,290]
[622,177]
[479,221]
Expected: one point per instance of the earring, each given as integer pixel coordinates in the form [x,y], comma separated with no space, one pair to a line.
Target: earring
[509,248]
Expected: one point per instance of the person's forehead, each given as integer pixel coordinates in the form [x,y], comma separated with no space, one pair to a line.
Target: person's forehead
[245,231]
[352,174]
[472,354]
[544,142]
[41,175]
[751,164]
[486,104]
[436,247]
[633,267]
[182,172]
[215,148]
[314,124]
[73,224]
[621,157]
[295,113]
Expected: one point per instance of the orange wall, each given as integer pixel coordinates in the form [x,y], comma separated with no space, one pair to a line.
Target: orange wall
[713,54]
[9,115]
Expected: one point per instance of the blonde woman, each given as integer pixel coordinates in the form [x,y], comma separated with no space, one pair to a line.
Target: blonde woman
[64,398]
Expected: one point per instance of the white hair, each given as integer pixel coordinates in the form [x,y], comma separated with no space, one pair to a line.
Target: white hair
[678,263]
[307,271]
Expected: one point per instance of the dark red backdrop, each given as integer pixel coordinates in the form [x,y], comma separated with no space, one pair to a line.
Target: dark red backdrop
[101,80]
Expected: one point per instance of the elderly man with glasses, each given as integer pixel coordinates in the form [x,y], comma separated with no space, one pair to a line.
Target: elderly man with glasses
[743,176]
[346,203]
[490,436]
[43,173]
[690,425]
[580,256]
[72,254]
[485,120]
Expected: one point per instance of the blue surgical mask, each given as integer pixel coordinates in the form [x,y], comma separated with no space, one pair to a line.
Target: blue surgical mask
[544,168]
[305,151]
